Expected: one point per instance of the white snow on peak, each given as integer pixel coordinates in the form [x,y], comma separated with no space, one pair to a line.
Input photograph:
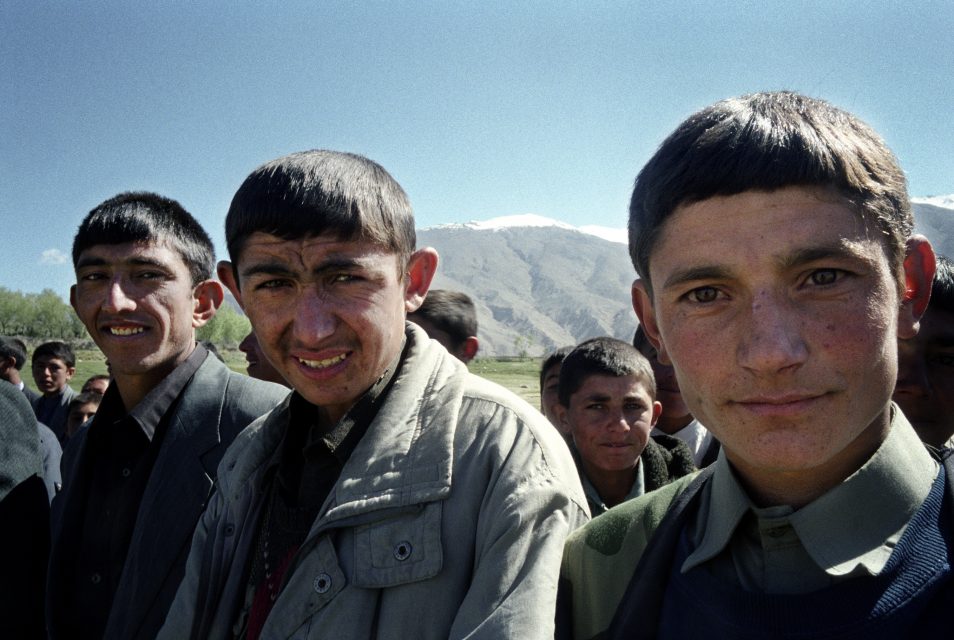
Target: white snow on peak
[534,220]
[946,202]
[522,220]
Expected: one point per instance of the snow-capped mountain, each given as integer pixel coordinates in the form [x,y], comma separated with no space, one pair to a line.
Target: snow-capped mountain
[945,202]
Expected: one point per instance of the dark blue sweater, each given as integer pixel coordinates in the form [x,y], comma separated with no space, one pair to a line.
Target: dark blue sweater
[913,596]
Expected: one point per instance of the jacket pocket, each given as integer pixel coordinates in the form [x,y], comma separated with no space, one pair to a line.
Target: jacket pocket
[400,549]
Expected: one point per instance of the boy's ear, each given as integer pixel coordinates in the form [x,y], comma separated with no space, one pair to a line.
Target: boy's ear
[657,411]
[207,297]
[421,268]
[562,420]
[227,277]
[643,306]
[919,266]
[469,349]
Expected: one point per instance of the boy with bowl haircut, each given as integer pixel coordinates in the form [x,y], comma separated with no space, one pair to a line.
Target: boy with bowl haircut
[772,235]
[608,404]
[391,478]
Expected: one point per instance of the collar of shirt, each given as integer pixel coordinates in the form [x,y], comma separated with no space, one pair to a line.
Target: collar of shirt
[593,496]
[151,409]
[851,529]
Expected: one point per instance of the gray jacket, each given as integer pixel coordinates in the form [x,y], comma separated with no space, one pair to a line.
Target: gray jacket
[447,521]
[213,408]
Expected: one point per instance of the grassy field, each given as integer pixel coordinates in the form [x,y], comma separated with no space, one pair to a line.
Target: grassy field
[520,375]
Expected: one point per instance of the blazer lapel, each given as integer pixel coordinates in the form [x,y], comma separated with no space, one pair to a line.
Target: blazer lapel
[175,496]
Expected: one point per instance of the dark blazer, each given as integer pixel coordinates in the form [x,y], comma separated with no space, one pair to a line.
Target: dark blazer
[57,423]
[30,394]
[215,405]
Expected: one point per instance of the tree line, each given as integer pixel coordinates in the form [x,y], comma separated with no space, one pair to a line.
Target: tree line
[46,316]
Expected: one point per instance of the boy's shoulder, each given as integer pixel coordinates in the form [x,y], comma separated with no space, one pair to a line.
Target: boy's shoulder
[600,557]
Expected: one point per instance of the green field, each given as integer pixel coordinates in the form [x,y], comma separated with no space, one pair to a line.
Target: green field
[520,375]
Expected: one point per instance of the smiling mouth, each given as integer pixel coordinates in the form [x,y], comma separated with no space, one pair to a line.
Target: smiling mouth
[323,364]
[125,331]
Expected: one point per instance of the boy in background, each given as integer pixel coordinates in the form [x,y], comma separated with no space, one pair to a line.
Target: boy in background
[925,389]
[676,419]
[608,404]
[450,318]
[53,367]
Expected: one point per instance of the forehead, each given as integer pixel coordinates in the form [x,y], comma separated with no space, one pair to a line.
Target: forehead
[603,385]
[49,360]
[305,252]
[158,252]
[758,226]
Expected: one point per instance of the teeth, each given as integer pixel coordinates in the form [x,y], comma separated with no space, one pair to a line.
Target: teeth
[321,364]
[118,331]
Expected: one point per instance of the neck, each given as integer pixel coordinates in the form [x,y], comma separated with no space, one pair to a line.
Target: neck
[613,486]
[134,387]
[670,425]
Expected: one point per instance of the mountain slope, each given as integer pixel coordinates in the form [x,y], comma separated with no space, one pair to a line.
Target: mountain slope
[536,288]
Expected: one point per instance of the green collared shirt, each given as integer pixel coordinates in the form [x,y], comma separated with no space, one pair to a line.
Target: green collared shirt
[849,531]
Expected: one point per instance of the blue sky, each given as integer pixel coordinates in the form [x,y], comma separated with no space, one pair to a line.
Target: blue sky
[478,109]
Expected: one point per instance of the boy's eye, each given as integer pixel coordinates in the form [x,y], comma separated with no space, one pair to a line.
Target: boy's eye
[823,277]
[703,294]
[271,284]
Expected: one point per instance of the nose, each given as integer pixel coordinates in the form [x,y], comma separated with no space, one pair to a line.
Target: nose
[117,300]
[315,318]
[617,421]
[772,340]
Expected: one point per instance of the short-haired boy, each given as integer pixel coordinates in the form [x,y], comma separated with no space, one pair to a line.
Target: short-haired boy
[676,420]
[449,317]
[550,388]
[772,235]
[608,404]
[53,367]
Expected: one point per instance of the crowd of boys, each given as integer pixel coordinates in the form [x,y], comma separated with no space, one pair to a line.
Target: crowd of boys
[360,482]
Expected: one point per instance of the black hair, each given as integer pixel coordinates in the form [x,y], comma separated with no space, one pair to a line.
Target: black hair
[942,289]
[148,217]
[55,349]
[552,359]
[87,397]
[13,348]
[452,312]
[765,142]
[313,193]
[603,356]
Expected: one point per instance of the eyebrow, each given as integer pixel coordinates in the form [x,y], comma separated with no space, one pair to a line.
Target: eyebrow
[281,269]
[96,261]
[840,250]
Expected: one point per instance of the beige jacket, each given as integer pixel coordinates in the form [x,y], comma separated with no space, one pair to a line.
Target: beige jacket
[448,521]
